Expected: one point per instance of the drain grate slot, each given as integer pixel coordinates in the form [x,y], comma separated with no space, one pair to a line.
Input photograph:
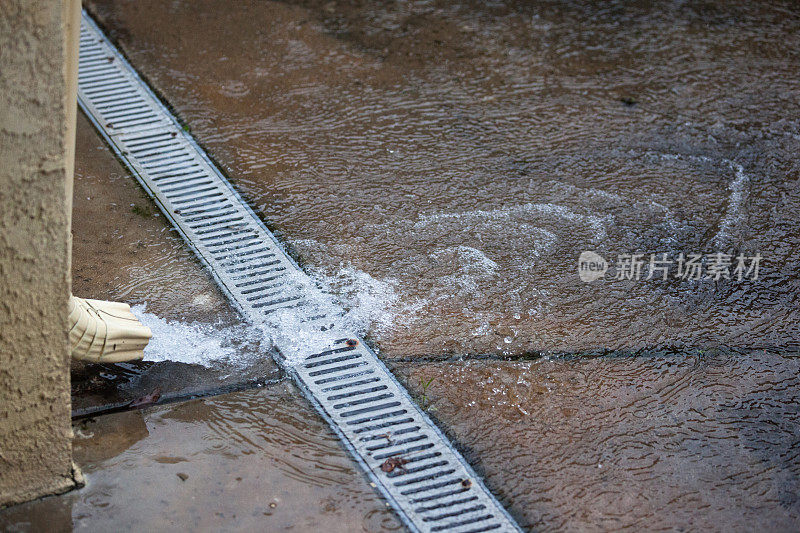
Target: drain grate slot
[421,475]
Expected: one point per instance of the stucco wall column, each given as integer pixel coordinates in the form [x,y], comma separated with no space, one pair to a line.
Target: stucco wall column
[38,59]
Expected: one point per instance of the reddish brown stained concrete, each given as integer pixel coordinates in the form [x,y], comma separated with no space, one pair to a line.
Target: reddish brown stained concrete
[692,441]
[460,155]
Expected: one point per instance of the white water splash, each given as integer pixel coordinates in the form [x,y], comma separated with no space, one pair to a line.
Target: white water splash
[371,304]
[311,325]
[195,343]
[468,258]
[736,199]
[334,306]
[738,193]
[597,224]
[598,197]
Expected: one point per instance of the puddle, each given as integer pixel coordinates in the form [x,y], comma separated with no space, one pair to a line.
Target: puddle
[257,460]
[663,442]
[462,155]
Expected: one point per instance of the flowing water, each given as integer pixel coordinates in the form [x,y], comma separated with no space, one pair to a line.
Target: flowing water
[463,155]
[440,166]
[124,250]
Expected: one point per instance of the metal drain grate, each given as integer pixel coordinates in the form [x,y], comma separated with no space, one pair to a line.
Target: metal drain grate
[427,482]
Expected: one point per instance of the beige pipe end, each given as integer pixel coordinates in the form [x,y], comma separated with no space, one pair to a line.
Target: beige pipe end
[105,332]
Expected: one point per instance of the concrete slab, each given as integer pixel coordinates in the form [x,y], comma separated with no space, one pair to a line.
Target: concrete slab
[684,442]
[551,150]
[250,461]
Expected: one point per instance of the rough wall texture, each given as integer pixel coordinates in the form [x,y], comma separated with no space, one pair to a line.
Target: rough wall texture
[35,199]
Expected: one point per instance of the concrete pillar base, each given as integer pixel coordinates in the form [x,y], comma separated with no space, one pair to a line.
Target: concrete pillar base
[53,487]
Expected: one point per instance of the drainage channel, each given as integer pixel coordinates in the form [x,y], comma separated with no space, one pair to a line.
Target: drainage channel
[415,467]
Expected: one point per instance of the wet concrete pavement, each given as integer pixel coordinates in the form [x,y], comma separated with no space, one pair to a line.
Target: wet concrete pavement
[669,442]
[124,249]
[445,163]
[259,460]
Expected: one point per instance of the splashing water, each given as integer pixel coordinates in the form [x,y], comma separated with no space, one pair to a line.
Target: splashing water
[196,343]
[348,301]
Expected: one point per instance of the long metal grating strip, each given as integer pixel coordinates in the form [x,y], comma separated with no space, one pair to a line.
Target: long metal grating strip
[415,467]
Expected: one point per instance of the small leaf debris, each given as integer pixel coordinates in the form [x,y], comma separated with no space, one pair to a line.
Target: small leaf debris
[147,399]
[394,463]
